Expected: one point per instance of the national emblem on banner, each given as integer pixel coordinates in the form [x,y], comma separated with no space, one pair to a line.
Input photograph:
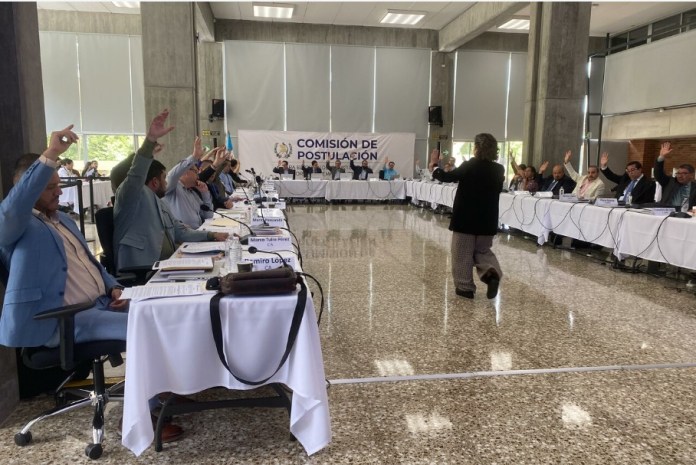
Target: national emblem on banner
[282,150]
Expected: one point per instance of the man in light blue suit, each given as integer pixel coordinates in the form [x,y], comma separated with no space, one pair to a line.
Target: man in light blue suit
[48,260]
[145,229]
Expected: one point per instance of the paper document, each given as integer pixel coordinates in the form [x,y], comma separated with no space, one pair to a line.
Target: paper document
[196,263]
[224,223]
[202,247]
[157,291]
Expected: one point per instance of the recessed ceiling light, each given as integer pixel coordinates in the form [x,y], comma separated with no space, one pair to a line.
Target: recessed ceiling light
[516,24]
[402,17]
[273,10]
[127,4]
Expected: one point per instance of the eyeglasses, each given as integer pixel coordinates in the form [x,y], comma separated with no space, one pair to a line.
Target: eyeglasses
[631,170]
[683,173]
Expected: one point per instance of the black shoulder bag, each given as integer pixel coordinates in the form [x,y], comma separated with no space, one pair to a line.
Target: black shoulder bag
[271,282]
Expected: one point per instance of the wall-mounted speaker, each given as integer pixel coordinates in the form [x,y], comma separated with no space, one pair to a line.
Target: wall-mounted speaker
[435,115]
[218,108]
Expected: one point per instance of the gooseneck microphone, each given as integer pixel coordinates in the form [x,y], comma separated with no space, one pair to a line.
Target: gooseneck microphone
[253,250]
[242,240]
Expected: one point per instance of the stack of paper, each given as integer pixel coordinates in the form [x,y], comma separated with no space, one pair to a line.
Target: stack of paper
[184,264]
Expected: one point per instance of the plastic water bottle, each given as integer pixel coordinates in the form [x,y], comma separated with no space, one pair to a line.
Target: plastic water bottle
[629,199]
[233,253]
[561,191]
[685,204]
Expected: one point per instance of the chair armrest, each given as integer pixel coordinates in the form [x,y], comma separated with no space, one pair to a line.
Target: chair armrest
[140,273]
[62,312]
[66,327]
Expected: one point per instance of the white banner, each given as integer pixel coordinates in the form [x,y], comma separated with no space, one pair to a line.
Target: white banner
[263,149]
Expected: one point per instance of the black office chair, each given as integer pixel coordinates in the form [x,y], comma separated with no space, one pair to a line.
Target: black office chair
[73,358]
[134,276]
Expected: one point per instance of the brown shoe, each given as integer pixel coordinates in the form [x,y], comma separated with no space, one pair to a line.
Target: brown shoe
[171,432]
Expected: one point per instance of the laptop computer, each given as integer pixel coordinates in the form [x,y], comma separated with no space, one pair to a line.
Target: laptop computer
[346,176]
[317,176]
[287,177]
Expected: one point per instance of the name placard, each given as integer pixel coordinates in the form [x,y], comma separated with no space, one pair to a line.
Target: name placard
[568,198]
[600,202]
[544,195]
[661,211]
[271,242]
[273,221]
[264,261]
[521,192]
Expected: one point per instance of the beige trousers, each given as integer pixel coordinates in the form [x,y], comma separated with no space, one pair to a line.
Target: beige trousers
[469,251]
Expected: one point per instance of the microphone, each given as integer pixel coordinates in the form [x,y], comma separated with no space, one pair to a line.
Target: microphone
[242,240]
[253,250]
[250,171]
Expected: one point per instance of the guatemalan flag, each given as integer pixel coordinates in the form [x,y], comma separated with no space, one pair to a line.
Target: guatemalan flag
[228,143]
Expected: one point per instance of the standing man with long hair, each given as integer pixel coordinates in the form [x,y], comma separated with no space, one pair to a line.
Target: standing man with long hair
[475,217]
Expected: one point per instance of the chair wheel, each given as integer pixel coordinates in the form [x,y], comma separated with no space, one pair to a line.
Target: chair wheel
[94,451]
[23,439]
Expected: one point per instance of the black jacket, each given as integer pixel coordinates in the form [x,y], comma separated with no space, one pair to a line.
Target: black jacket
[643,191]
[475,209]
[670,185]
[566,182]
[358,169]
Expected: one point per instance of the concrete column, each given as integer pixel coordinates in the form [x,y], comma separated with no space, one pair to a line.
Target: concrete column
[556,81]
[22,130]
[441,93]
[169,66]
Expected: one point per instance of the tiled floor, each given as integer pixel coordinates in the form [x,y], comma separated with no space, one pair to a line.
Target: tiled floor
[572,363]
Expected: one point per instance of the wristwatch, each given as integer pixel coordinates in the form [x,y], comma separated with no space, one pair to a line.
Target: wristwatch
[118,286]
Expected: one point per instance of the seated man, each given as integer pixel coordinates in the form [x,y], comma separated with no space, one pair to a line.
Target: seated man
[49,262]
[315,168]
[66,169]
[185,194]
[226,178]
[359,172]
[145,229]
[631,184]
[678,191]
[556,181]
[389,172]
[235,167]
[588,186]
[336,170]
[282,168]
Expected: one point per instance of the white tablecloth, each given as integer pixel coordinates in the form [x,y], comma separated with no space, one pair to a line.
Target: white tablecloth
[629,233]
[365,190]
[301,188]
[171,348]
[102,195]
[342,190]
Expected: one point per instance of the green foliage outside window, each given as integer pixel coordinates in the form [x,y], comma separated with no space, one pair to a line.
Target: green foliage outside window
[109,147]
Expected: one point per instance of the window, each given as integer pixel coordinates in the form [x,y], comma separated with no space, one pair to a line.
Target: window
[665,28]
[640,35]
[619,42]
[464,150]
[689,20]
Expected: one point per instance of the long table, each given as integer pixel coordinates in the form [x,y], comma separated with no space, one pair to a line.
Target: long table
[629,232]
[102,195]
[174,351]
[342,190]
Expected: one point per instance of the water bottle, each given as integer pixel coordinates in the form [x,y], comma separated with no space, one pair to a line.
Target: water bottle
[629,199]
[685,204]
[233,253]
[561,191]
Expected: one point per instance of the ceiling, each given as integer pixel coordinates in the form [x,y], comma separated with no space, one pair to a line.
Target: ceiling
[607,17]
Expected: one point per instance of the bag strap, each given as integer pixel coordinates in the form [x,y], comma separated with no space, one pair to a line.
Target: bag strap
[292,334]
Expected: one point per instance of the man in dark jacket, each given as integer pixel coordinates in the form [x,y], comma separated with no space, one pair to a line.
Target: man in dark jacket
[475,217]
[678,191]
[361,172]
[557,180]
[632,184]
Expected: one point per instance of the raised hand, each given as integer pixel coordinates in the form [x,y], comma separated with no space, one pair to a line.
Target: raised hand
[157,127]
[665,149]
[543,166]
[201,186]
[158,148]
[220,156]
[353,156]
[59,142]
[568,155]
[604,160]
[198,148]
[434,156]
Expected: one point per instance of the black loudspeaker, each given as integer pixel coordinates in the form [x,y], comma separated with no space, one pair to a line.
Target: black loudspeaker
[218,108]
[435,115]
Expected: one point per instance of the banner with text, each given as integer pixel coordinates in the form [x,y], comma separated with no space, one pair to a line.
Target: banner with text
[263,150]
